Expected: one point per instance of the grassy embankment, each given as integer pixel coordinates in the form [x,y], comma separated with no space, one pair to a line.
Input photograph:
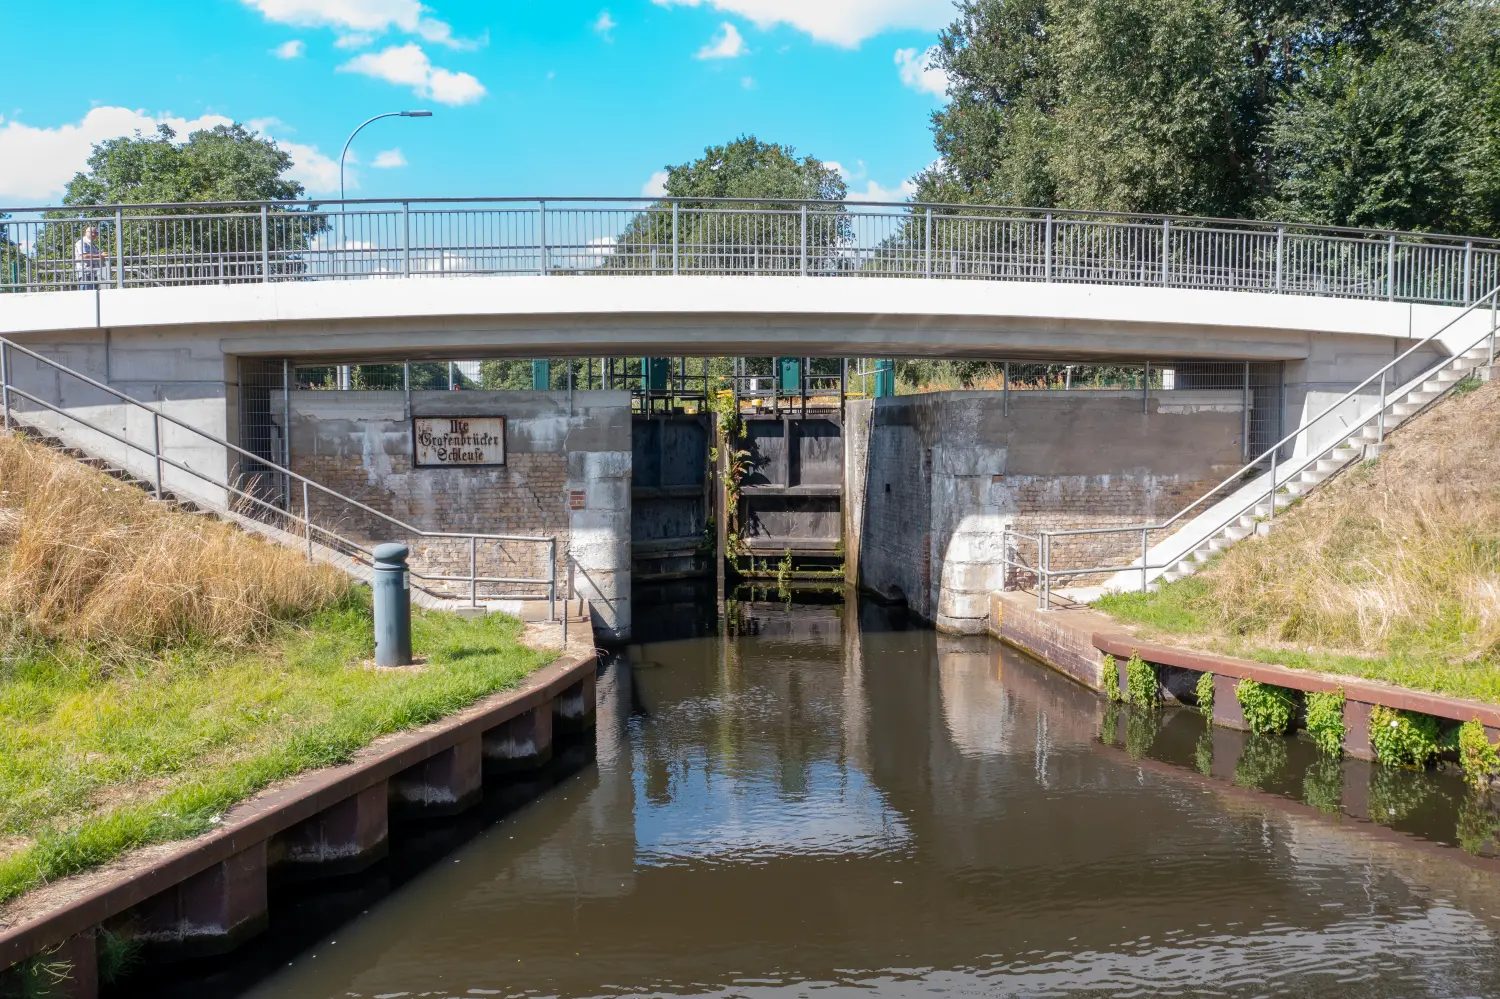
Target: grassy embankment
[156,668]
[1390,572]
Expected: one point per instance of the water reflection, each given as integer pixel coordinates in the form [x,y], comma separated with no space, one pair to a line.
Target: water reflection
[830,800]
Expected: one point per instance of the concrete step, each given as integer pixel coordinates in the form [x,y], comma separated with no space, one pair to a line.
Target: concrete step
[1420,398]
[1327,466]
[1402,410]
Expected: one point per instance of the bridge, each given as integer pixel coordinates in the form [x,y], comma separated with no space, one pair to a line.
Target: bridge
[222,319]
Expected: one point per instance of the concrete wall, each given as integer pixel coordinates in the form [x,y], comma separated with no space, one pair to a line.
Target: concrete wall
[567,474]
[948,472]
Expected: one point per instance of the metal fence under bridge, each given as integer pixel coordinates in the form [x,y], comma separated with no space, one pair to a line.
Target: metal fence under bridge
[129,246]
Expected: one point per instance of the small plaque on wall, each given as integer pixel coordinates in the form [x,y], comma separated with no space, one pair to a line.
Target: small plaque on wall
[457,441]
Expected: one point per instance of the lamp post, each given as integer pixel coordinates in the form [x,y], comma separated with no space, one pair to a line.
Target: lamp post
[343,372]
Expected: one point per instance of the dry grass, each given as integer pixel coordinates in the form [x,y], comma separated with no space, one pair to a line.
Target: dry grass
[86,558]
[1398,559]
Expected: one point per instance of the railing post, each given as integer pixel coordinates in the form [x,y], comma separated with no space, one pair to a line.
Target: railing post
[1390,268]
[307,520]
[927,239]
[265,244]
[156,449]
[1048,263]
[119,248]
[804,240]
[1273,484]
[1004,389]
[473,571]
[406,238]
[542,234]
[1380,414]
[1280,254]
[5,382]
[552,582]
[676,264]
[1166,248]
[1494,301]
[1146,390]
[1246,404]
[1145,550]
[1468,271]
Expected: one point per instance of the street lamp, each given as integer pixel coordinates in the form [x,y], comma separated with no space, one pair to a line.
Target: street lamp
[388,114]
[343,372]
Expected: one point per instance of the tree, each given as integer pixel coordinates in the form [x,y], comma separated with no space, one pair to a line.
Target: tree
[713,236]
[224,163]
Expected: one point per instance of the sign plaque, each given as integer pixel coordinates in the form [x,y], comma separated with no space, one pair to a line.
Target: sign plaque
[457,441]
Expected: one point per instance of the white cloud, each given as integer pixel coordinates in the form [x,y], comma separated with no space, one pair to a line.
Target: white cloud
[918,73]
[748,82]
[727,44]
[354,40]
[874,192]
[388,159]
[842,22]
[604,25]
[41,161]
[293,49]
[409,66]
[362,17]
[656,187]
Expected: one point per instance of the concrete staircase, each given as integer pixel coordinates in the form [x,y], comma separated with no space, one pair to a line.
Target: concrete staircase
[1247,511]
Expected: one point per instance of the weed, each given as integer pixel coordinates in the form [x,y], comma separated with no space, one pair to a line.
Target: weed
[1109,675]
[1404,738]
[1469,383]
[1203,753]
[1109,727]
[1203,690]
[1477,822]
[1396,793]
[784,570]
[1478,757]
[1323,785]
[1141,728]
[1325,720]
[1141,683]
[1268,709]
[1261,759]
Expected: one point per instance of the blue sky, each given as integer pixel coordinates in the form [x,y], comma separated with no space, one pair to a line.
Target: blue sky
[529,97]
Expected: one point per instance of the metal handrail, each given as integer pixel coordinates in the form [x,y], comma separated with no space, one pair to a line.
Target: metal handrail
[1387,399]
[161,459]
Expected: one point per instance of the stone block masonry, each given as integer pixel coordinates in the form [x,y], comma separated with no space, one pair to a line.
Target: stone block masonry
[946,474]
[566,475]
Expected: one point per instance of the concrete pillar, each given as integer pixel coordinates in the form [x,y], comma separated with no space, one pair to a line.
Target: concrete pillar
[573,709]
[444,784]
[1227,710]
[342,839]
[1357,730]
[1227,748]
[210,913]
[523,743]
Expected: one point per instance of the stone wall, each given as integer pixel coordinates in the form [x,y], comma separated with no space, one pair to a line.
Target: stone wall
[566,475]
[947,473]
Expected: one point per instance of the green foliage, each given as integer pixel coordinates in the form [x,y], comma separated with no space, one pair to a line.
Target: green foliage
[1109,727]
[1141,682]
[223,163]
[1325,720]
[1204,691]
[1261,759]
[1141,728]
[1404,738]
[1268,709]
[1323,785]
[1465,385]
[1396,793]
[1203,753]
[1357,113]
[118,955]
[1477,822]
[1477,756]
[1109,675]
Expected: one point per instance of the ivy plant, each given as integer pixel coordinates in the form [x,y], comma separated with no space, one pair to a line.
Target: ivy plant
[1204,691]
[1140,677]
[1325,720]
[1268,709]
[1109,677]
[1479,759]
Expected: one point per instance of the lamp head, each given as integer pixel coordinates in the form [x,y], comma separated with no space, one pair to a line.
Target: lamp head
[416,114]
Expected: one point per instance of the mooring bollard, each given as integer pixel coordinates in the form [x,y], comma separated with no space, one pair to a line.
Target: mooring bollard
[392,586]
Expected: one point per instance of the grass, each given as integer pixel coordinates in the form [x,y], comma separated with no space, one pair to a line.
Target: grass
[1390,572]
[124,726]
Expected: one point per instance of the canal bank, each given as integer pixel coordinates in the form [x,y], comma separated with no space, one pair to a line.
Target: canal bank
[208,896]
[832,797]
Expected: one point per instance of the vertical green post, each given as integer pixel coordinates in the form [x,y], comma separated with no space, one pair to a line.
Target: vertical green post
[654,373]
[789,375]
[541,375]
[885,378]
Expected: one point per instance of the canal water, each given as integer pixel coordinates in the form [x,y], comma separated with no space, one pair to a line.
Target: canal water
[830,802]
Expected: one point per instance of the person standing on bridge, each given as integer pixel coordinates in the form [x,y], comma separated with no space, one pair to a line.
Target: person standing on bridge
[88,260]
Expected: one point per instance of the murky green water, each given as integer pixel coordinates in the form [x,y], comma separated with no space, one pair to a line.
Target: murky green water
[831,804]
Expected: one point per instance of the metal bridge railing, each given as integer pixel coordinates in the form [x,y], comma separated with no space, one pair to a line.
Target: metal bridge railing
[51,248]
[1242,491]
[325,516]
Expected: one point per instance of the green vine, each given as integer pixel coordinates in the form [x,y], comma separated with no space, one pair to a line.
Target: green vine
[1109,678]
[1323,785]
[1204,691]
[1141,728]
[1109,727]
[1477,822]
[1325,720]
[1479,759]
[1404,738]
[1396,793]
[1261,759]
[1268,709]
[1141,682]
[784,570]
[1203,753]
[730,428]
